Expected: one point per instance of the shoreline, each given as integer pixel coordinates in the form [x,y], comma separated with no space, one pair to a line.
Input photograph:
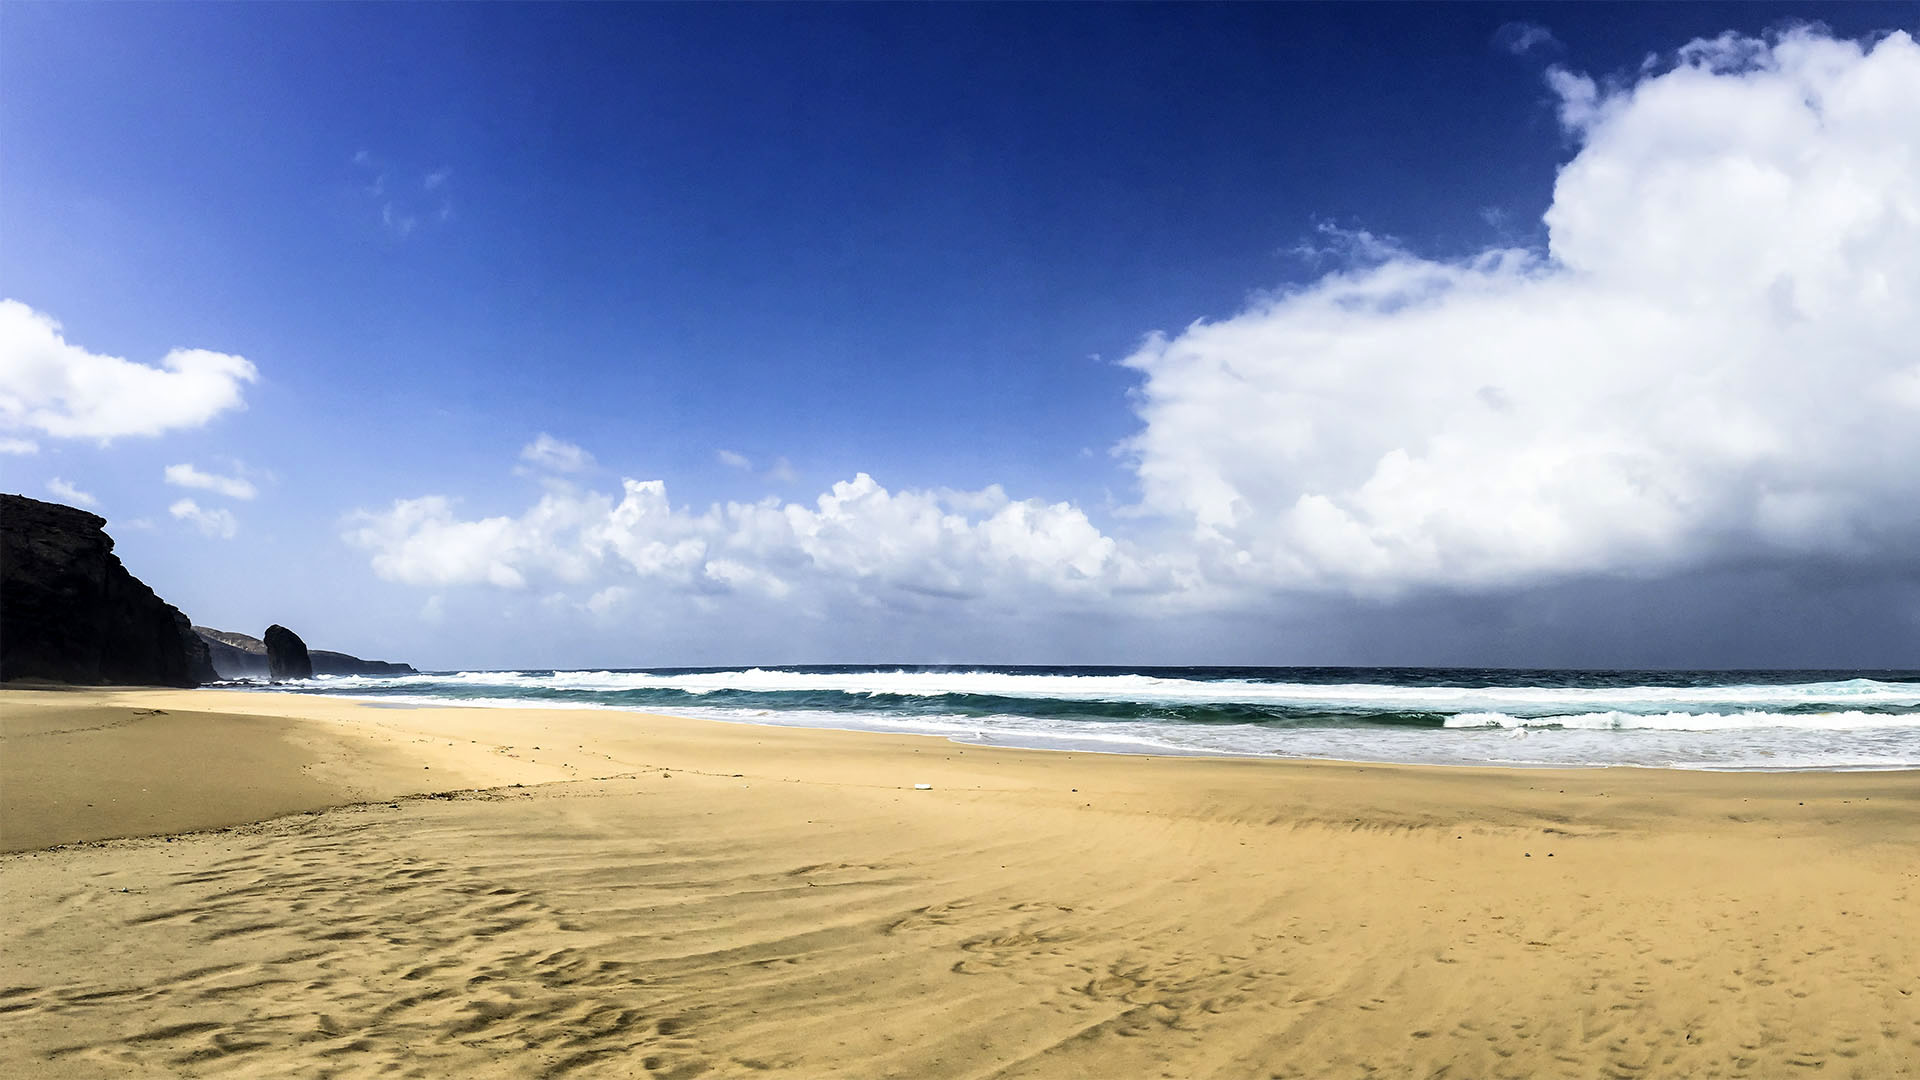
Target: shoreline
[496,892]
[328,731]
[1065,742]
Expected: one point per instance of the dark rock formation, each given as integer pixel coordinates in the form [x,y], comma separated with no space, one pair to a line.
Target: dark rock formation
[237,656]
[70,612]
[339,663]
[287,655]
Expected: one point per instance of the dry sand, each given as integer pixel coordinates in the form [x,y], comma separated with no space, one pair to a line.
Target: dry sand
[676,898]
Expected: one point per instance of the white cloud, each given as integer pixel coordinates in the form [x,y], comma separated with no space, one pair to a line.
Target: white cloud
[780,472]
[233,487]
[70,494]
[856,542]
[1706,363]
[397,221]
[1521,38]
[553,455]
[10,445]
[608,601]
[403,207]
[420,542]
[53,388]
[1711,363]
[215,523]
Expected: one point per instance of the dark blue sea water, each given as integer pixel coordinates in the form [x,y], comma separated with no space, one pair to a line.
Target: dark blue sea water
[1460,716]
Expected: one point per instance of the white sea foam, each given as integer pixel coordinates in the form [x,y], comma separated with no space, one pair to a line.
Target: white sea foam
[1852,720]
[1745,749]
[1518,701]
[1848,724]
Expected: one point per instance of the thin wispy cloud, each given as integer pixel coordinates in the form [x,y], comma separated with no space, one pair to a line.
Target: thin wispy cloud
[413,198]
[217,524]
[1522,38]
[67,493]
[1344,246]
[233,487]
[396,221]
[781,471]
[552,455]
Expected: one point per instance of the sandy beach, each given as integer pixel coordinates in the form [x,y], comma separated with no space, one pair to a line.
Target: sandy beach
[222,883]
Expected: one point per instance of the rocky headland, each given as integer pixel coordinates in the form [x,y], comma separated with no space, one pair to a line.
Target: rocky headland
[241,656]
[70,612]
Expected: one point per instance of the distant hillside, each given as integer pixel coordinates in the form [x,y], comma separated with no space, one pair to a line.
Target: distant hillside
[239,656]
[235,656]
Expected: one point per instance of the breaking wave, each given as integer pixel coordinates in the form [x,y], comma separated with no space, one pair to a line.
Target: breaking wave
[1828,719]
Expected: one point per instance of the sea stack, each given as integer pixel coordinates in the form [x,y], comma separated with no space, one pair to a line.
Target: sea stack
[72,613]
[286,655]
[241,656]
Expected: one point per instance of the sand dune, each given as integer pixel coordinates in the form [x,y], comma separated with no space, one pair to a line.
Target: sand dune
[673,898]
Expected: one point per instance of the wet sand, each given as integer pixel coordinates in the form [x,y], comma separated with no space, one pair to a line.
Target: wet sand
[287,885]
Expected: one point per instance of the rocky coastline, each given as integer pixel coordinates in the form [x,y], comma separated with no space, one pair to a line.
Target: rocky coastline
[71,612]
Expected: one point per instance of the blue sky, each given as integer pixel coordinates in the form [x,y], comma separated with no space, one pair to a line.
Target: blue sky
[918,243]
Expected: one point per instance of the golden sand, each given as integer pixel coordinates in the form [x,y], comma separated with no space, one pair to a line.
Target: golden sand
[678,898]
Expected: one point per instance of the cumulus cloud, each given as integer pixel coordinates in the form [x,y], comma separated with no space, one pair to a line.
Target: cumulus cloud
[53,388]
[608,601]
[233,487]
[858,541]
[215,523]
[1712,360]
[1709,365]
[67,493]
[555,456]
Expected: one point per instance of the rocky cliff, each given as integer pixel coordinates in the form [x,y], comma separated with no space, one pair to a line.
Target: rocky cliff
[70,612]
[326,662]
[238,656]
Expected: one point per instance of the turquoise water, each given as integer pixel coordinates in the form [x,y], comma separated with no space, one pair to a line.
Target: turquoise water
[1461,716]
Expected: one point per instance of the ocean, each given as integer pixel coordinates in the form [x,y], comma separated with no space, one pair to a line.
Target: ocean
[1727,720]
